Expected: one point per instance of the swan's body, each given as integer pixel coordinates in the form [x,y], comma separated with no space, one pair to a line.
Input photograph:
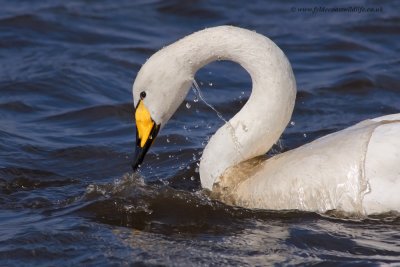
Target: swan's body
[354,170]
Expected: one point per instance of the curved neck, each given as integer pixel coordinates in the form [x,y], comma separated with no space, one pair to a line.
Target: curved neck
[261,121]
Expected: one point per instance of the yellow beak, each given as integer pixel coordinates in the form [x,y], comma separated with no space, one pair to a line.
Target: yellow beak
[144,123]
[146,132]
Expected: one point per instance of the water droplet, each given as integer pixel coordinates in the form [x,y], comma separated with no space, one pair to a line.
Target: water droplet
[305,135]
[184,127]
[292,123]
[168,140]
[196,170]
[188,168]
[210,84]
[242,92]
[192,178]
[188,106]
[196,99]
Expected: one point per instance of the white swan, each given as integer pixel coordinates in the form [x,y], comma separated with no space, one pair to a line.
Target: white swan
[355,170]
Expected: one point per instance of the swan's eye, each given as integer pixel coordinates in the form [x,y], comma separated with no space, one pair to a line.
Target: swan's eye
[142,95]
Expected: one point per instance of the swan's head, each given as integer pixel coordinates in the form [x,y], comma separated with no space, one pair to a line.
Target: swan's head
[159,88]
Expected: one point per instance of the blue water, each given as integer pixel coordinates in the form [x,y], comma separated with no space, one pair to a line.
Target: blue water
[67,192]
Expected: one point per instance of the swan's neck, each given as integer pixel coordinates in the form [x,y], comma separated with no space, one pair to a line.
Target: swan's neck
[259,124]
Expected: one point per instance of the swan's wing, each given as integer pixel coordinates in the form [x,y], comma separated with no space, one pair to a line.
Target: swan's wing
[326,174]
[382,166]
[391,117]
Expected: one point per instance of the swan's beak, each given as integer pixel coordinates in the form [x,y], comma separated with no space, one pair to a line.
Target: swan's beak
[146,132]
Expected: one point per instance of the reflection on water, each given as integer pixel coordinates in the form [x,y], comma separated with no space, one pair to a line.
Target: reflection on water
[67,194]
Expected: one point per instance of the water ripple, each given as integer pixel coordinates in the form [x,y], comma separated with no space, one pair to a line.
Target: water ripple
[67,194]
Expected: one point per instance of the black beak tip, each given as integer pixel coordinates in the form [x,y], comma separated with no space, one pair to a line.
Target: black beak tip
[141,151]
[138,158]
[135,166]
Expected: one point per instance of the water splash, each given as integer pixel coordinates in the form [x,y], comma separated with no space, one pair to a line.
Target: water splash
[197,91]
[199,94]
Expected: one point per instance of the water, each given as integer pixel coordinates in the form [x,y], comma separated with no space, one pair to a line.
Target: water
[67,194]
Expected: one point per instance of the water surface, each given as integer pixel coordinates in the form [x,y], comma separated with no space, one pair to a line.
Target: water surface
[67,193]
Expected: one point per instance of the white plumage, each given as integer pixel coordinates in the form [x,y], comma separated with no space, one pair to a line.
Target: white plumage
[354,170]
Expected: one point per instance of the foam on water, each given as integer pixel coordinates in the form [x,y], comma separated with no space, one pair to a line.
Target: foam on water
[67,194]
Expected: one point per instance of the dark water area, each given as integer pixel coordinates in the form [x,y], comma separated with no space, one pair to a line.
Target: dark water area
[67,192]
